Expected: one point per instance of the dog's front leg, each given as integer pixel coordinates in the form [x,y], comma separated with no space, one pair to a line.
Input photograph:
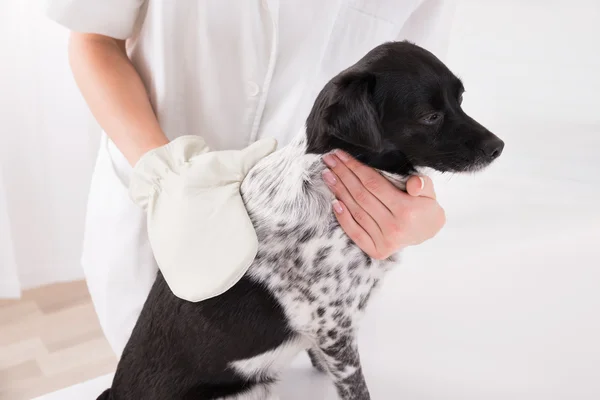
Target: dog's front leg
[342,361]
[316,359]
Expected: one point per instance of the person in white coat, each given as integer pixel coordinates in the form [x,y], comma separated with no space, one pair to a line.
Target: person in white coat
[231,72]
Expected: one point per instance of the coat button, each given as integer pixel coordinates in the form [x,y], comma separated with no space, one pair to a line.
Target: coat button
[253,89]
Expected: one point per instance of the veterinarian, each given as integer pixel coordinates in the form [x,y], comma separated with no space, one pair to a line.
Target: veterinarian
[188,94]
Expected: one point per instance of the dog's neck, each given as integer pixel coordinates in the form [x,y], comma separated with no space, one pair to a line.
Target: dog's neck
[383,162]
[288,184]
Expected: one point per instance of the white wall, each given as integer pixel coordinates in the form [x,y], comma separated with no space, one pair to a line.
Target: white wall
[530,59]
[502,305]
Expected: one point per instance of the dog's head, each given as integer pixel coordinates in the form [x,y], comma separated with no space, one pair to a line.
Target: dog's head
[398,109]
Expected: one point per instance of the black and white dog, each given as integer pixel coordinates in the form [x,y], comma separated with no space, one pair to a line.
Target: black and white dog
[397,109]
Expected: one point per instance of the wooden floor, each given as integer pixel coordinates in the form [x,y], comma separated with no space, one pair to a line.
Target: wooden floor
[50,339]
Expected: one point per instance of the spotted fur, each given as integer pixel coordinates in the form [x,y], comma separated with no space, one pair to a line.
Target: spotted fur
[309,284]
[322,279]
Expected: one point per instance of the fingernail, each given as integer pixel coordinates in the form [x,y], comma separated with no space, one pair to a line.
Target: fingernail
[337,207]
[329,160]
[329,177]
[422,182]
[342,155]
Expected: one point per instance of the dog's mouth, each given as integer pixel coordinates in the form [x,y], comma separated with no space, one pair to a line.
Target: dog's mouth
[478,166]
[459,160]
[457,165]
[397,163]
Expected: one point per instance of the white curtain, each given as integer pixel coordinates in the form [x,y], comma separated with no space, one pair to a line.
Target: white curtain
[47,149]
[9,285]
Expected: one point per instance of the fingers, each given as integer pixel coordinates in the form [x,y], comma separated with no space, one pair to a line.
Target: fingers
[371,180]
[420,186]
[377,216]
[364,184]
[354,231]
[357,212]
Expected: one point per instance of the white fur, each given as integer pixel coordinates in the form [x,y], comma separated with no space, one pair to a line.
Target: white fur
[272,362]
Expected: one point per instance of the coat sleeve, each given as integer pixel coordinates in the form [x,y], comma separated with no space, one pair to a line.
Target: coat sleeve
[429,26]
[114,18]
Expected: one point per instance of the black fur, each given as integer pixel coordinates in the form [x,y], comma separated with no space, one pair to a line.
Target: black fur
[397,109]
[180,350]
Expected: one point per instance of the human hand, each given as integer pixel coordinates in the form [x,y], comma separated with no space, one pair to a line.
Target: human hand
[380,218]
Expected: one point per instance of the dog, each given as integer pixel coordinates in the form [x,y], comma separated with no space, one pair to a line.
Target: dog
[398,110]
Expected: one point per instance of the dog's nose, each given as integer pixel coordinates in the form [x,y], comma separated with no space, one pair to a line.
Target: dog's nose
[493,147]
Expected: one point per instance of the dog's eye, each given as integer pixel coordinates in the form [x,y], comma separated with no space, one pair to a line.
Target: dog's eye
[432,118]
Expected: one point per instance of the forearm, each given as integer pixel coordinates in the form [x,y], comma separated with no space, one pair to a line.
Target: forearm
[115,94]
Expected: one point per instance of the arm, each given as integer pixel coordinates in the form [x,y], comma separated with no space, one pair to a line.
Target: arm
[115,93]
[176,218]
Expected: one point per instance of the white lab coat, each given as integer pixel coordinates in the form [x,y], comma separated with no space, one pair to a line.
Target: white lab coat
[231,71]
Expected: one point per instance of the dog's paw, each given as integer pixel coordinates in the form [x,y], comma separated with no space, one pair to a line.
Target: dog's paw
[316,361]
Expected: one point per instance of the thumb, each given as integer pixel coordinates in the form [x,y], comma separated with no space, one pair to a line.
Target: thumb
[256,152]
[420,186]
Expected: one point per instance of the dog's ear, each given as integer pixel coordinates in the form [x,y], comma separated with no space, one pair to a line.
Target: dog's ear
[352,115]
